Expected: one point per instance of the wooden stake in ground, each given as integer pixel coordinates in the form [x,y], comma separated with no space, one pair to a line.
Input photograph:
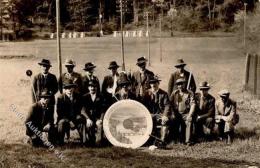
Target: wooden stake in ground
[58,36]
[122,35]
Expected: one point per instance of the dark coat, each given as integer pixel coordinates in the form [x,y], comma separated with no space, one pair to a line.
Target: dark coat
[208,106]
[93,110]
[67,109]
[39,117]
[85,82]
[130,96]
[158,104]
[138,82]
[75,77]
[175,76]
[40,83]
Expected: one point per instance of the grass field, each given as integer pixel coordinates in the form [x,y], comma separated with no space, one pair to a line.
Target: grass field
[217,60]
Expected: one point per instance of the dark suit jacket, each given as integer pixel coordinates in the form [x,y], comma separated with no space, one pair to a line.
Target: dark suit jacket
[67,109]
[93,109]
[159,104]
[85,81]
[75,77]
[39,117]
[208,107]
[176,75]
[130,96]
[137,82]
[40,83]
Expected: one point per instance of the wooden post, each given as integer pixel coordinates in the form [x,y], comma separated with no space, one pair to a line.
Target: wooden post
[122,35]
[160,37]
[247,65]
[255,74]
[148,41]
[58,36]
[244,41]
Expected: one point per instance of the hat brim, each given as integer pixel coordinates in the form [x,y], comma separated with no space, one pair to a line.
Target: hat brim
[69,86]
[44,64]
[89,68]
[180,65]
[204,87]
[154,81]
[69,65]
[113,67]
[141,62]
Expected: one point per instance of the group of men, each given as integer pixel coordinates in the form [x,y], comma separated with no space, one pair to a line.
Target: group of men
[183,115]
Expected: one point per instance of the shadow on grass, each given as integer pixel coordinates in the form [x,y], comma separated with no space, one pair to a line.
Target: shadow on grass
[244,133]
[19,155]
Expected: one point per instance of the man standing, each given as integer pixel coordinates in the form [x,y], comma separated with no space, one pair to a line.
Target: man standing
[89,75]
[183,103]
[93,110]
[71,75]
[40,119]
[140,79]
[45,80]
[181,73]
[205,111]
[157,102]
[110,84]
[69,105]
[226,116]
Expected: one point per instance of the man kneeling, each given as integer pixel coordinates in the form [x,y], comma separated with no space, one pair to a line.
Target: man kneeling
[39,120]
[157,102]
[69,113]
[93,110]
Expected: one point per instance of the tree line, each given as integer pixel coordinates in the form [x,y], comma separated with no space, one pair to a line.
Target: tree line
[87,15]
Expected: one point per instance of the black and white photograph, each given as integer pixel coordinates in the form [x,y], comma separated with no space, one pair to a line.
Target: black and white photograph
[129,83]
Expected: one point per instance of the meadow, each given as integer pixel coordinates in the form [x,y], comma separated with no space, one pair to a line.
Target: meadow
[219,60]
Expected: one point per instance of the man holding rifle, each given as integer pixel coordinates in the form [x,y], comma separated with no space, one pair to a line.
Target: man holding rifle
[181,73]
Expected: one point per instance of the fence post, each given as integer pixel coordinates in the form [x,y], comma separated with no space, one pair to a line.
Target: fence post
[258,76]
[255,73]
[247,65]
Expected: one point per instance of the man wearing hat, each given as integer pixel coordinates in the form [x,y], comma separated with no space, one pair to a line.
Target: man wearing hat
[140,79]
[71,75]
[183,104]
[93,110]
[157,102]
[40,119]
[124,86]
[110,84]
[181,73]
[226,116]
[89,75]
[69,105]
[205,111]
[45,80]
